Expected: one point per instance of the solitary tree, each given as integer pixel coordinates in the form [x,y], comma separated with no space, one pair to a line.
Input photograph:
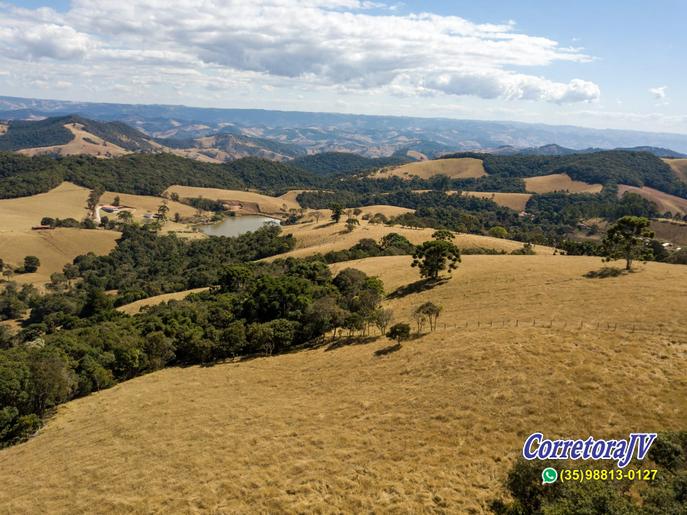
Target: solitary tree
[434,256]
[628,239]
[337,211]
[399,332]
[162,211]
[431,311]
[117,201]
[351,224]
[31,264]
[498,232]
[317,215]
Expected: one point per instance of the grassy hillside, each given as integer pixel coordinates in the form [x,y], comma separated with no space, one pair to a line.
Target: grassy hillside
[604,167]
[144,174]
[320,238]
[559,182]
[53,132]
[679,166]
[460,168]
[664,201]
[432,427]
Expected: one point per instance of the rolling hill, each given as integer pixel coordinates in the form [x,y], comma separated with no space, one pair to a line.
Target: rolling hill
[337,428]
[373,136]
[458,168]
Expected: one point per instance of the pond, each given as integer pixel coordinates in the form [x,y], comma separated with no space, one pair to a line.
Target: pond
[236,225]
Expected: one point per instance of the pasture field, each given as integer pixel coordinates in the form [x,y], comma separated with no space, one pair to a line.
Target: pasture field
[679,166]
[265,204]
[559,182]
[664,201]
[457,168]
[432,427]
[325,236]
[516,201]
[55,248]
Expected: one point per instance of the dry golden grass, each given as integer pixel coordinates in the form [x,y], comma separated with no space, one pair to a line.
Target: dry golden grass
[559,182]
[135,307]
[65,201]
[430,428]
[460,168]
[664,201]
[416,155]
[266,204]
[83,143]
[516,201]
[325,236]
[54,248]
[679,166]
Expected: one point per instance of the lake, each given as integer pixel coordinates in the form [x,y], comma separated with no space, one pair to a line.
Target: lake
[234,226]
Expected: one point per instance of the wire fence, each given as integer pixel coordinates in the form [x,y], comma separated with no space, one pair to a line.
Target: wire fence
[566,325]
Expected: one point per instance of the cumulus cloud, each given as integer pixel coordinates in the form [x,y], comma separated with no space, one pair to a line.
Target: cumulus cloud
[318,43]
[659,93]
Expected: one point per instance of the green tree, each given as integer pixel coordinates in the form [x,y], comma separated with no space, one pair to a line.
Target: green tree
[399,332]
[116,201]
[628,239]
[434,256]
[31,264]
[162,212]
[337,212]
[125,217]
[93,199]
[498,232]
[351,224]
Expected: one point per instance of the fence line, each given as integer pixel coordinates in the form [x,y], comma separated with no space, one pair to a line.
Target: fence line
[567,325]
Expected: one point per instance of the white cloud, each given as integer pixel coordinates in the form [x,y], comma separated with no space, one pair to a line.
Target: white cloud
[313,43]
[659,93]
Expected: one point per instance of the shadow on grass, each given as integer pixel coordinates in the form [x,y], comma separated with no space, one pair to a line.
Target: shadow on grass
[605,272]
[351,340]
[388,350]
[416,287]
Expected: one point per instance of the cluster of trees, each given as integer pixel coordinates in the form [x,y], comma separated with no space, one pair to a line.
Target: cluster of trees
[31,265]
[146,174]
[76,342]
[344,163]
[604,167]
[392,244]
[145,264]
[666,494]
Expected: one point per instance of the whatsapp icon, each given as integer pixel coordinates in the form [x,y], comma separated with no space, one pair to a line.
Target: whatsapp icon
[549,475]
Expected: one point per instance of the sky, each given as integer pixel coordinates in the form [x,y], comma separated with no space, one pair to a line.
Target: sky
[602,63]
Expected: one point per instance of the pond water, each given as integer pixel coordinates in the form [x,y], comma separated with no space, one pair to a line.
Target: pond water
[236,225]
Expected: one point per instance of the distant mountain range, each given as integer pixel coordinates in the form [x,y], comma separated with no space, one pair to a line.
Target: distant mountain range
[557,150]
[218,135]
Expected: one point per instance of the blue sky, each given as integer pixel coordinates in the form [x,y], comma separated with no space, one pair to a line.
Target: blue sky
[596,63]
